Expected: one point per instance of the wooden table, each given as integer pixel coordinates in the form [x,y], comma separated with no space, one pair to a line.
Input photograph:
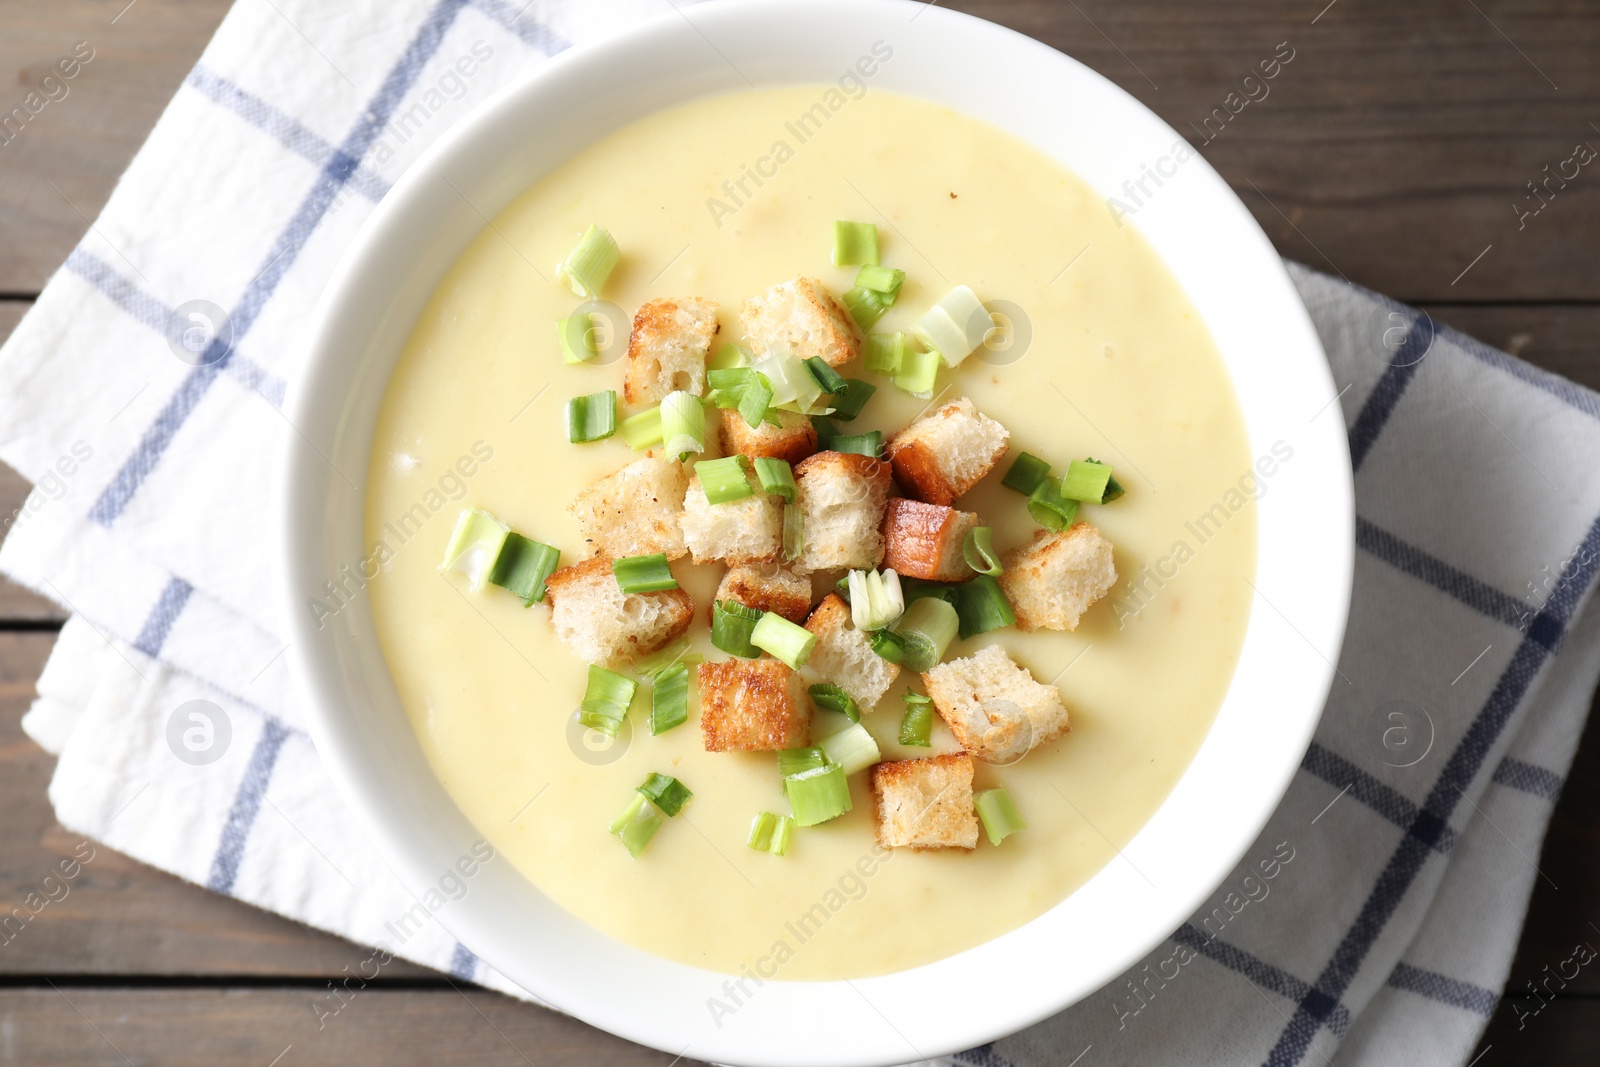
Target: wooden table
[1394,149]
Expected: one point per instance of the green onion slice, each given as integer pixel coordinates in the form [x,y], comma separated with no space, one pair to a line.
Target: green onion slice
[854,242]
[576,334]
[917,373]
[999,814]
[644,574]
[730,356]
[866,306]
[888,645]
[636,825]
[885,280]
[793,387]
[669,657]
[794,532]
[818,795]
[731,626]
[587,266]
[592,417]
[885,351]
[917,588]
[827,379]
[925,632]
[916,725]
[683,425]
[830,696]
[1049,508]
[748,390]
[797,760]
[761,827]
[782,833]
[522,567]
[1086,480]
[606,700]
[982,606]
[876,599]
[776,477]
[826,432]
[669,699]
[788,641]
[475,546]
[666,793]
[862,444]
[1026,472]
[1113,487]
[852,749]
[723,480]
[643,430]
[955,326]
[978,550]
[848,403]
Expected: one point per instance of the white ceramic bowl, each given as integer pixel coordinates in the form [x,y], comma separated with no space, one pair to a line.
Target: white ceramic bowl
[1230,273]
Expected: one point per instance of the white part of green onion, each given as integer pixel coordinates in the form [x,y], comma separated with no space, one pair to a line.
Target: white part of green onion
[955,326]
[853,748]
[875,599]
[683,424]
[793,387]
[474,546]
[590,263]
[787,641]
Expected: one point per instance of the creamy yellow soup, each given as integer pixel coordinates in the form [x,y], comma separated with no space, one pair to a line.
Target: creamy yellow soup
[1104,357]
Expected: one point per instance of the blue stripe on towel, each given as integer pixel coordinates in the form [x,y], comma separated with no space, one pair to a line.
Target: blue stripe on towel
[1529,778]
[246,806]
[528,29]
[1257,971]
[982,1056]
[159,623]
[1478,595]
[463,964]
[1380,797]
[1385,396]
[1444,989]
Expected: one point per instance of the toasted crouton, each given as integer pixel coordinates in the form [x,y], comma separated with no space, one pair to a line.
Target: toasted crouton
[841,499]
[996,709]
[767,587]
[792,440]
[926,540]
[603,625]
[635,512]
[1052,580]
[740,531]
[667,349]
[800,318]
[925,803]
[753,706]
[843,656]
[944,453]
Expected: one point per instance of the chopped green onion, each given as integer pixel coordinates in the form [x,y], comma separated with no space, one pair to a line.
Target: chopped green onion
[1000,816]
[669,657]
[792,384]
[917,588]
[978,550]
[1086,480]
[789,641]
[576,333]
[592,417]
[917,724]
[826,432]
[666,793]
[475,546]
[643,430]
[1026,472]
[644,574]
[636,825]
[731,625]
[1113,487]
[848,403]
[866,306]
[741,387]
[842,586]
[796,760]
[955,326]
[794,532]
[669,699]
[853,749]
[522,567]
[888,645]
[885,280]
[1048,508]
[917,373]
[876,599]
[683,424]
[606,700]
[925,631]
[818,795]
[730,356]
[776,477]
[827,379]
[830,696]
[982,606]
[724,480]
[761,827]
[884,352]
[782,833]
[861,444]
[588,265]
[854,242]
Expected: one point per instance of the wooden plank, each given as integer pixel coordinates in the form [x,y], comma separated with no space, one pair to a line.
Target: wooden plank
[1560,338]
[203,1027]
[81,142]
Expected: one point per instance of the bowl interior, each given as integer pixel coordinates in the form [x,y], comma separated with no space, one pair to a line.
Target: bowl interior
[1231,275]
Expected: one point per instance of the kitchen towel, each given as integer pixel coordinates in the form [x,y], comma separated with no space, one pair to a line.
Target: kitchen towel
[1377,914]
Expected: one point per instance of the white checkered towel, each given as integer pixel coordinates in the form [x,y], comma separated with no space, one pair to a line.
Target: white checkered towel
[1379,911]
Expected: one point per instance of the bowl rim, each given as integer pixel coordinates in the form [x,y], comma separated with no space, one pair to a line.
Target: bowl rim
[559,959]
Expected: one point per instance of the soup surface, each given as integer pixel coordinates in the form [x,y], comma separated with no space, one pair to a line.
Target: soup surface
[1105,357]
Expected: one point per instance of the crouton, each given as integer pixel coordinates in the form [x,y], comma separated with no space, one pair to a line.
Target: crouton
[996,709]
[753,706]
[767,587]
[792,440]
[603,625]
[844,657]
[1052,580]
[740,531]
[667,349]
[944,453]
[925,803]
[926,540]
[800,318]
[635,512]
[841,498]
